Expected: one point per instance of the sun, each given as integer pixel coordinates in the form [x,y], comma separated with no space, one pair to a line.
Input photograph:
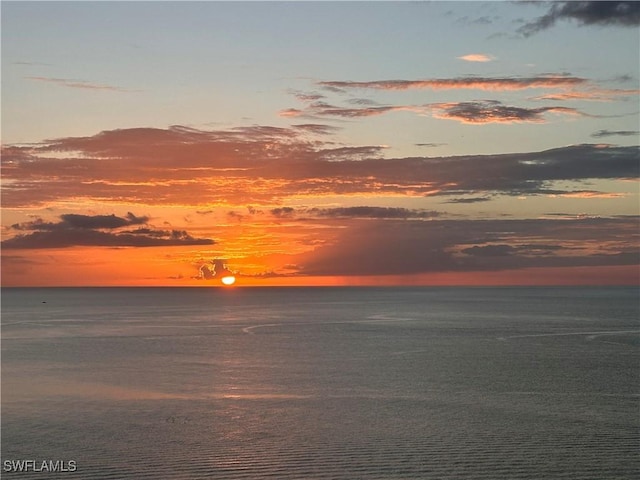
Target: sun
[228,280]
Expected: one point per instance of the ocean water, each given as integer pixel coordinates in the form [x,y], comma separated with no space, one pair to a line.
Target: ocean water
[321,383]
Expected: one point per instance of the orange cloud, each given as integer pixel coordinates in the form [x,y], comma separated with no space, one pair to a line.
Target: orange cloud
[601,95]
[476,57]
[266,165]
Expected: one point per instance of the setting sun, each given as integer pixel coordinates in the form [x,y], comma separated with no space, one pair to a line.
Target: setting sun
[228,280]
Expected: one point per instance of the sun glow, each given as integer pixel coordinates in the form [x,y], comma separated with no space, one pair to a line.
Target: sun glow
[228,280]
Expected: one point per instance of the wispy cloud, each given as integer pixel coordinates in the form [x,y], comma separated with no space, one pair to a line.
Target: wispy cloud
[317,109]
[471,83]
[603,13]
[32,64]
[430,144]
[601,95]
[317,128]
[69,83]
[612,133]
[591,194]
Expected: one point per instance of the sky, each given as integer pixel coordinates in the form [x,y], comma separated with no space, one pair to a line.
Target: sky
[320,143]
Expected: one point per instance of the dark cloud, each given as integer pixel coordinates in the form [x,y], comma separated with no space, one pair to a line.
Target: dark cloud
[75,221]
[235,215]
[394,247]
[373,212]
[429,145]
[97,238]
[97,230]
[490,250]
[611,133]
[493,111]
[500,250]
[603,13]
[283,212]
[352,153]
[358,212]
[469,200]
[214,270]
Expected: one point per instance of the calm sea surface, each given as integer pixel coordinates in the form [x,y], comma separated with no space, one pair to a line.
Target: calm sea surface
[315,383]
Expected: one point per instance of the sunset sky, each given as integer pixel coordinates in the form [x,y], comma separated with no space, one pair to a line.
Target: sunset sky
[320,143]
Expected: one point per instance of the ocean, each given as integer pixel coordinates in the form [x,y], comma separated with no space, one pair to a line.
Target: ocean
[321,383]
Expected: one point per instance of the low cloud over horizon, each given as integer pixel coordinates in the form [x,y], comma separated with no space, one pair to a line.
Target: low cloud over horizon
[96,231]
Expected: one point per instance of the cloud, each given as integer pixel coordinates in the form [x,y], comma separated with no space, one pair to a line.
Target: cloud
[291,112]
[477,57]
[602,13]
[324,109]
[65,82]
[283,212]
[599,95]
[473,83]
[306,97]
[358,112]
[361,212]
[469,200]
[265,166]
[73,221]
[317,128]
[214,270]
[373,212]
[493,111]
[96,230]
[321,109]
[591,194]
[474,112]
[490,250]
[394,247]
[611,133]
